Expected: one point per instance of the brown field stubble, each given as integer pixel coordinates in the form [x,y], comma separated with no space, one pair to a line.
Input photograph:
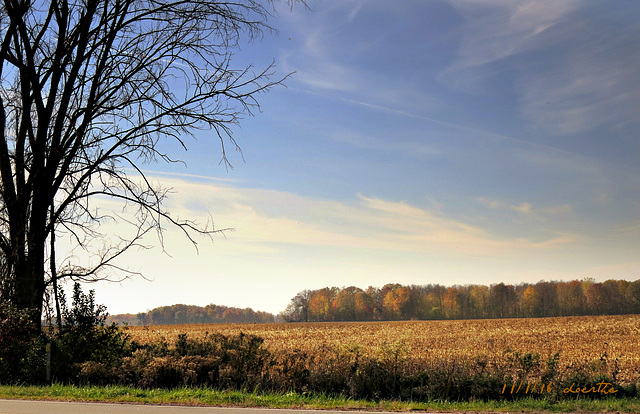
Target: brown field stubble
[579,340]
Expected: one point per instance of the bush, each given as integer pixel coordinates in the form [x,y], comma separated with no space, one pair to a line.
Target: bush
[219,361]
[22,348]
[84,344]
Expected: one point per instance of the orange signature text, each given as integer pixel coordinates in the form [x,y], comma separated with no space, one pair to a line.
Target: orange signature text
[528,388]
[602,387]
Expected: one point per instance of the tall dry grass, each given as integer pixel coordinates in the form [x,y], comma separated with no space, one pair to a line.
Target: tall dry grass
[579,341]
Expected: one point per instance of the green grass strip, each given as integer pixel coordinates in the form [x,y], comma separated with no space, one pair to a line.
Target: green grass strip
[209,397]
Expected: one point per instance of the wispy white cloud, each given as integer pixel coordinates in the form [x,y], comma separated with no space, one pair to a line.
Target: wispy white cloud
[497,29]
[326,58]
[410,145]
[528,210]
[186,175]
[262,220]
[574,71]
[270,218]
[586,88]
[314,58]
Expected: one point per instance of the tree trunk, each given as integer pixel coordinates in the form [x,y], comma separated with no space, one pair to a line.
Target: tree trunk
[52,265]
[29,290]
[29,281]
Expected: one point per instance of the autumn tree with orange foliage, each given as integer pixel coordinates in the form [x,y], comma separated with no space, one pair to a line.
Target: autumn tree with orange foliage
[397,302]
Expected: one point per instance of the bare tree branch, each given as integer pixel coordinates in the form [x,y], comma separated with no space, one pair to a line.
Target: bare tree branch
[90,88]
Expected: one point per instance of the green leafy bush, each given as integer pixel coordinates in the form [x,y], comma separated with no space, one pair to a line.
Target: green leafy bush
[84,342]
[22,348]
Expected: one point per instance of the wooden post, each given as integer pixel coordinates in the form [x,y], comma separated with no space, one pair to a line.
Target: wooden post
[48,350]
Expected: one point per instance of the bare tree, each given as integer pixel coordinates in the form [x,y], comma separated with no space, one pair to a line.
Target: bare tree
[87,90]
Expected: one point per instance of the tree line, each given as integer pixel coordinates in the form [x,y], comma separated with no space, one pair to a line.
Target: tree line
[434,301]
[184,314]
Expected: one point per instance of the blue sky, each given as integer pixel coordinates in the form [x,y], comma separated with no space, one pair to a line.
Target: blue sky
[450,142]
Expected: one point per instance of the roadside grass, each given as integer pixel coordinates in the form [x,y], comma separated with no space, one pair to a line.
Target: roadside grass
[210,397]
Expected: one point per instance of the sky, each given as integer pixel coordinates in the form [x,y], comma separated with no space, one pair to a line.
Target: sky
[417,142]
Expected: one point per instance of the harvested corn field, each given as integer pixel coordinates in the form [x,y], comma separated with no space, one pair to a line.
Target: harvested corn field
[608,344]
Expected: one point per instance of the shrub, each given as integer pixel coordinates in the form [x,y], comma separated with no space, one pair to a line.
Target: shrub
[84,344]
[22,348]
[218,361]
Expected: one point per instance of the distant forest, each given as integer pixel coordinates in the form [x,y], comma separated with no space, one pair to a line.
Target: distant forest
[183,314]
[398,302]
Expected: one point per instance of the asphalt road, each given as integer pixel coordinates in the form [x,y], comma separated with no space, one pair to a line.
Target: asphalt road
[56,407]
